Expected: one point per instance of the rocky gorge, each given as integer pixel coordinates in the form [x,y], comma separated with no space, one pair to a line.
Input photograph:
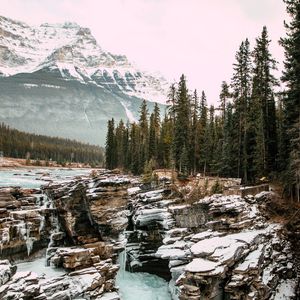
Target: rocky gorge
[97,228]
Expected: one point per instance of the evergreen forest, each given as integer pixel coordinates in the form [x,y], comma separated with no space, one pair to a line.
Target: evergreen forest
[253,132]
[18,144]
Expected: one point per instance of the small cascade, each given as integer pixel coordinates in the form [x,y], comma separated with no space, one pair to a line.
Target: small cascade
[5,238]
[122,259]
[51,246]
[42,224]
[134,286]
[29,240]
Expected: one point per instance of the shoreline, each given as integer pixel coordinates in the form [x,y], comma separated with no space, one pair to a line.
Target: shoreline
[7,163]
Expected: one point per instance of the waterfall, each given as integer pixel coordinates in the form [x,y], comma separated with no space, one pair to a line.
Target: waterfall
[122,259]
[51,245]
[136,286]
[55,228]
[29,239]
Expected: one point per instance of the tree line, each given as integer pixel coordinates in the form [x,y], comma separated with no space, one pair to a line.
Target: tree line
[19,144]
[253,133]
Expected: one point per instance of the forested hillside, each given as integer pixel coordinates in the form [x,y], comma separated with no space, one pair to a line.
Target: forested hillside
[18,144]
[253,133]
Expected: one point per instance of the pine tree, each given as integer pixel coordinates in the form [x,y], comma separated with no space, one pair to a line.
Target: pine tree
[110,149]
[154,132]
[203,133]
[230,146]
[152,139]
[181,126]
[224,95]
[212,141]
[241,85]
[171,102]
[184,162]
[291,77]
[165,158]
[194,149]
[144,138]
[218,144]
[119,145]
[125,142]
[281,156]
[134,149]
[263,110]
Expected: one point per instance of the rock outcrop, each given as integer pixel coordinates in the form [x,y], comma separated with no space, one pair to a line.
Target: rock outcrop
[26,220]
[88,283]
[82,237]
[219,246]
[7,270]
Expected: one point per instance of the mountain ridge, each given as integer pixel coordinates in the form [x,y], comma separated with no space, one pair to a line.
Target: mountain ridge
[59,73]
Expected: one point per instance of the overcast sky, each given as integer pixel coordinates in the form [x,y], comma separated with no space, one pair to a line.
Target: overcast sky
[196,37]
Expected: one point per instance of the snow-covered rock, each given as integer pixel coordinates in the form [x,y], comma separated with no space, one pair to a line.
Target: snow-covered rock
[88,283]
[6,271]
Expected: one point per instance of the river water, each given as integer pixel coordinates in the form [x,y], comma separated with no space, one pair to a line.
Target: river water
[132,286]
[34,178]
[39,267]
[140,286]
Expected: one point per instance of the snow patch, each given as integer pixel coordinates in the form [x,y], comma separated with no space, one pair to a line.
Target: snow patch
[129,114]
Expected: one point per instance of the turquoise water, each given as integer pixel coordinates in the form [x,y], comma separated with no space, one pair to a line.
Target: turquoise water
[39,267]
[140,286]
[34,178]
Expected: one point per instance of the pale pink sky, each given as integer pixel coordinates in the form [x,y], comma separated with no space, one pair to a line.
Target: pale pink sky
[196,37]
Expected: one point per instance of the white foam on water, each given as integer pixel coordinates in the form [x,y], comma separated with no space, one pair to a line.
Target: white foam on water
[137,286]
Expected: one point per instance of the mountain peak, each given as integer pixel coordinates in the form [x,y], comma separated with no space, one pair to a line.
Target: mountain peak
[65,25]
[74,51]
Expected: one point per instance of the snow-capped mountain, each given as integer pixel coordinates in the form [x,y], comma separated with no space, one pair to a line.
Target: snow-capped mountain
[48,71]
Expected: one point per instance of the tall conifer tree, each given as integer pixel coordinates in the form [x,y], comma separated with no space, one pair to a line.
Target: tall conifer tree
[110,146]
[241,85]
[291,100]
[181,126]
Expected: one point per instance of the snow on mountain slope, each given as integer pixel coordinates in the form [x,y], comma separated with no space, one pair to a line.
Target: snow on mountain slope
[56,80]
[74,52]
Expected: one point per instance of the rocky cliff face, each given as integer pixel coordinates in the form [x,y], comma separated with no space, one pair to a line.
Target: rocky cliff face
[26,220]
[76,242]
[220,247]
[59,75]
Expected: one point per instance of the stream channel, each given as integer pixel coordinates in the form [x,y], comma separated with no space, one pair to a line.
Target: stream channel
[132,286]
